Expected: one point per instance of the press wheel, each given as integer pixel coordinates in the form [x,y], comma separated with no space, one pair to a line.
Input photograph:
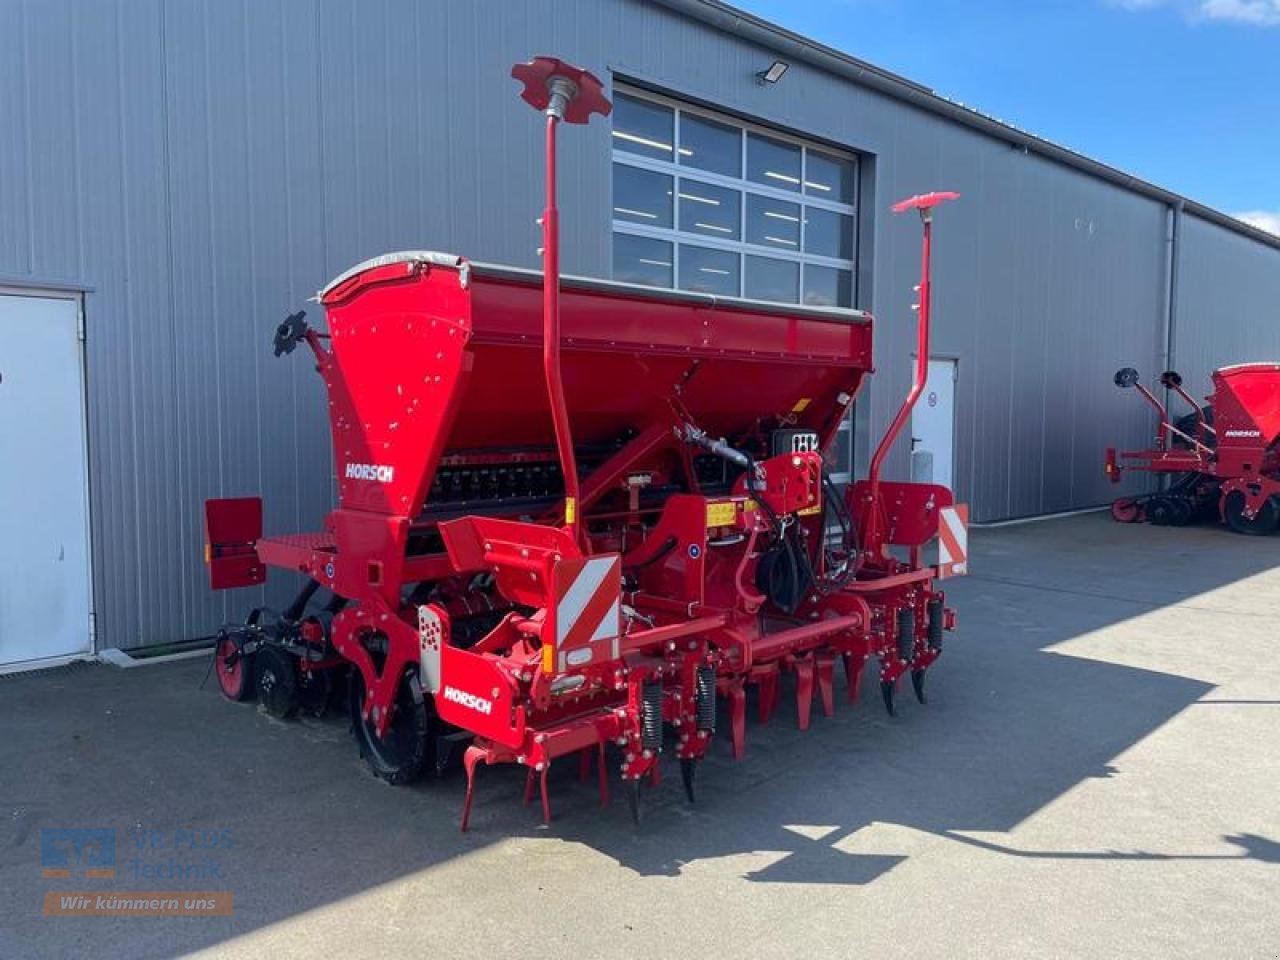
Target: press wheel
[1260,524]
[409,744]
[275,674]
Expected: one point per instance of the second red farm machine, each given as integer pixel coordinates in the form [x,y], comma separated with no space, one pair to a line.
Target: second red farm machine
[1221,459]
[574,514]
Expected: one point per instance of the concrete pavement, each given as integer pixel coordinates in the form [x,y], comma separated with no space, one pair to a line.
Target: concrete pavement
[1096,775]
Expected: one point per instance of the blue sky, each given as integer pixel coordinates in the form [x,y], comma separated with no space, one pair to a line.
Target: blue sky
[1184,93]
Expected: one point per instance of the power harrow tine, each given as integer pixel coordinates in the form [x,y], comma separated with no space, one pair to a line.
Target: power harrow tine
[654,565]
[804,691]
[472,756]
[767,691]
[602,772]
[853,664]
[825,665]
[540,777]
[738,718]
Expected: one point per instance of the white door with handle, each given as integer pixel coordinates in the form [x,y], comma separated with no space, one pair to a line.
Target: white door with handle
[44,511]
[933,422]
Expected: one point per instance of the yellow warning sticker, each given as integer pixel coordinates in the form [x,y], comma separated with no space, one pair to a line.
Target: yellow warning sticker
[721,513]
[801,405]
[570,509]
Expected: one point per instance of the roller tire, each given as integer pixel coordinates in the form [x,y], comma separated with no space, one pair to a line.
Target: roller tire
[409,746]
[1261,524]
[1162,512]
[275,675]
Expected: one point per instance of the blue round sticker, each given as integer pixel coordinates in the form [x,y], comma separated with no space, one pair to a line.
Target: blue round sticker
[695,551]
[328,569]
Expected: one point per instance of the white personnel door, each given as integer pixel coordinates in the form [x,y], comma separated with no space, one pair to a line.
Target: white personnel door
[44,531]
[933,422]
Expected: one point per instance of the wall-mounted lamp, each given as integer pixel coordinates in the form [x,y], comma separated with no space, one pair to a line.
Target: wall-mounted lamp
[773,74]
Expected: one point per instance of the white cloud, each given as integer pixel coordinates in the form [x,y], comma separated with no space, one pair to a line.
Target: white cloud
[1258,13]
[1268,220]
[1263,13]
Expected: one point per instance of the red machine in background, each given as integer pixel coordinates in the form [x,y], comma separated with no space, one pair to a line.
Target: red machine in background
[572,515]
[1222,457]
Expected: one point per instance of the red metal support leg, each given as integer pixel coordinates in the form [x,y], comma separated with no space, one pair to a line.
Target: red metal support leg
[825,665]
[768,689]
[738,718]
[853,664]
[546,799]
[804,691]
[603,774]
[528,787]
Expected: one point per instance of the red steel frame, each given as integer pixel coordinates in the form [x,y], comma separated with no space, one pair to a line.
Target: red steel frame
[614,608]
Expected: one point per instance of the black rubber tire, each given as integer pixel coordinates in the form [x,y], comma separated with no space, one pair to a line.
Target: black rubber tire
[1161,512]
[275,674]
[235,681]
[315,691]
[1261,524]
[409,746]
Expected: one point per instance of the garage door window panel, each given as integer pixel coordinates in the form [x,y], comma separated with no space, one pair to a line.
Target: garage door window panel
[706,202]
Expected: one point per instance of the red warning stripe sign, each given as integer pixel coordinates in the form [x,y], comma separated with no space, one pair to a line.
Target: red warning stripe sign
[587,612]
[953,541]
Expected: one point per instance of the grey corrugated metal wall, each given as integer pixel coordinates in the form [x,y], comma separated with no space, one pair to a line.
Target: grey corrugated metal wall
[1228,302]
[205,166]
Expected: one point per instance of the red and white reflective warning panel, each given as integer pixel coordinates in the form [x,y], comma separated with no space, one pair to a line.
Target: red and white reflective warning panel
[586,615]
[953,540]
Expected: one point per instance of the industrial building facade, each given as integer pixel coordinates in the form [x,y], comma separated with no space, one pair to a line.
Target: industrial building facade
[178,175]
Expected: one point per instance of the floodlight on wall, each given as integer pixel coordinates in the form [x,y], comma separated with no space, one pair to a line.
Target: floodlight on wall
[773,74]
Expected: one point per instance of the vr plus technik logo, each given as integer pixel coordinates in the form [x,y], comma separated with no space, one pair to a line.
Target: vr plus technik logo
[78,853]
[183,862]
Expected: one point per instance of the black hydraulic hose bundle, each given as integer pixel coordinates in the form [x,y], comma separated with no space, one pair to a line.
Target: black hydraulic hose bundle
[296,609]
[848,537]
[780,574]
[786,572]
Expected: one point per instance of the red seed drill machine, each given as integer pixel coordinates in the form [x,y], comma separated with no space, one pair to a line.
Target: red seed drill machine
[572,514]
[1221,458]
